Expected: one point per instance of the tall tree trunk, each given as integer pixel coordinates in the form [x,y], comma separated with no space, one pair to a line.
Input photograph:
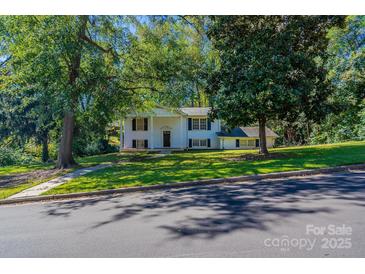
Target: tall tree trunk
[45,153]
[262,136]
[65,158]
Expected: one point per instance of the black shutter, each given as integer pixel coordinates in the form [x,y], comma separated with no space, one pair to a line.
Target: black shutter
[134,124]
[237,142]
[208,142]
[209,124]
[189,123]
[145,143]
[190,143]
[145,124]
[134,143]
[257,142]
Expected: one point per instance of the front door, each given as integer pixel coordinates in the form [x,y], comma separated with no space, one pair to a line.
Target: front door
[167,139]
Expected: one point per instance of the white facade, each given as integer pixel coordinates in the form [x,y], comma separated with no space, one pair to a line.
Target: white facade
[231,142]
[185,128]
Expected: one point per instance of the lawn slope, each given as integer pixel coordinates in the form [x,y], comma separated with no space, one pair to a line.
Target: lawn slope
[187,166]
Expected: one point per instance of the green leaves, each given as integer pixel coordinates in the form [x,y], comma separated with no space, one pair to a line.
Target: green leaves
[270,66]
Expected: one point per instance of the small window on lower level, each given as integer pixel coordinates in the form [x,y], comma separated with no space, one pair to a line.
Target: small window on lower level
[243,143]
[196,142]
[247,143]
[200,142]
[251,143]
[140,143]
[203,142]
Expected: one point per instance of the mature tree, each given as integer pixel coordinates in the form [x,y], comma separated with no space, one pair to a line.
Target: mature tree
[346,66]
[176,60]
[95,67]
[70,57]
[271,67]
[25,115]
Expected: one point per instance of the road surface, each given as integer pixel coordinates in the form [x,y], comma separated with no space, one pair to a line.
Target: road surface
[314,216]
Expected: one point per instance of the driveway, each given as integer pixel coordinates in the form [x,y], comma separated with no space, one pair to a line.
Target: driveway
[314,216]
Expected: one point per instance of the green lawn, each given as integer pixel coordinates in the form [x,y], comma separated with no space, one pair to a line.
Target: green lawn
[7,191]
[83,161]
[186,166]
[11,170]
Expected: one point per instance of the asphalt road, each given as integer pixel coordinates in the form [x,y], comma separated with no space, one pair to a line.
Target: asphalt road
[263,219]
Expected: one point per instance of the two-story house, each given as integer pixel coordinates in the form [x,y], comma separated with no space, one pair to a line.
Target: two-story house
[186,128]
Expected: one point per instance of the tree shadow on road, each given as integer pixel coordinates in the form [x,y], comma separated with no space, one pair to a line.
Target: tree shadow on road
[214,210]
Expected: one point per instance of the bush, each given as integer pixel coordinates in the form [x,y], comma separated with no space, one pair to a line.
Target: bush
[11,156]
[82,148]
[35,150]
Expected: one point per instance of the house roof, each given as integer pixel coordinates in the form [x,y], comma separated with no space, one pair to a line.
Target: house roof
[246,132]
[158,111]
[196,111]
[191,111]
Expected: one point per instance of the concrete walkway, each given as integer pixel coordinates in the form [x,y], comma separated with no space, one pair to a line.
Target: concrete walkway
[39,189]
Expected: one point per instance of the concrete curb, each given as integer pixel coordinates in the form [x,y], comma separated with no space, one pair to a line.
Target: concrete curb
[245,178]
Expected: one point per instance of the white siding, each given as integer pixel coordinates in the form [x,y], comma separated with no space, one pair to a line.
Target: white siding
[270,141]
[230,143]
[178,126]
[171,124]
[206,134]
[129,134]
[155,134]
[180,135]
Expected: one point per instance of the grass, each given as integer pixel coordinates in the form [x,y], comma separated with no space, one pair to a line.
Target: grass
[6,192]
[83,161]
[186,166]
[17,169]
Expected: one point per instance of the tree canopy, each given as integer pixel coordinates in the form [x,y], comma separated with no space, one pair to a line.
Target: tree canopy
[271,67]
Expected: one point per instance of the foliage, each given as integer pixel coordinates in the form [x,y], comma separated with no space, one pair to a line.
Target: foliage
[10,156]
[271,68]
[346,67]
[26,115]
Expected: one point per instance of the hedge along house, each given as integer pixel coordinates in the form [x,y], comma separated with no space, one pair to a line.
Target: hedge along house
[182,128]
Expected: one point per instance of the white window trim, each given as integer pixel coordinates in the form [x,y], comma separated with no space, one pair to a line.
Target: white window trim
[140,123]
[194,124]
[244,143]
[199,123]
[138,142]
[199,140]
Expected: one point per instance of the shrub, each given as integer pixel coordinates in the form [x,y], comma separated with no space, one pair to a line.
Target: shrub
[82,148]
[11,156]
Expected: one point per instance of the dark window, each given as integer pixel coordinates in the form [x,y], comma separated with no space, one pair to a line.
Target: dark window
[257,142]
[190,143]
[189,123]
[134,143]
[237,142]
[208,142]
[145,143]
[134,124]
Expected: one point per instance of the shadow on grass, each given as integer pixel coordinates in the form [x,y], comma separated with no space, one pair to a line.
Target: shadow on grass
[211,211]
[185,166]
